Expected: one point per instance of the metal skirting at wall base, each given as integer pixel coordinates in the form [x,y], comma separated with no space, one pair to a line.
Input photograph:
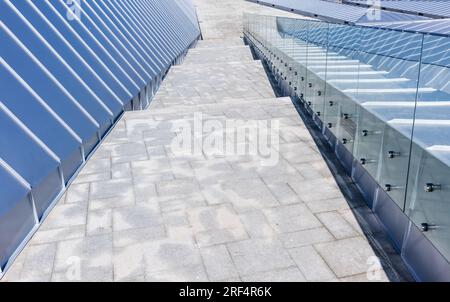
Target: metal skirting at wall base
[420,256]
[424,260]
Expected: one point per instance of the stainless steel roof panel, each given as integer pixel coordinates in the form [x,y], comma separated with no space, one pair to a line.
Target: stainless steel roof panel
[318,8]
[65,79]
[337,12]
[16,212]
[32,42]
[31,158]
[435,8]
[438,27]
[81,28]
[26,105]
[67,53]
[47,87]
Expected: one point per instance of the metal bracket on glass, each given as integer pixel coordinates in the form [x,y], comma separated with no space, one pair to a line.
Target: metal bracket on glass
[364,161]
[393,154]
[330,125]
[389,187]
[331,103]
[430,187]
[346,116]
[345,141]
[427,227]
[310,85]
[367,132]
[318,113]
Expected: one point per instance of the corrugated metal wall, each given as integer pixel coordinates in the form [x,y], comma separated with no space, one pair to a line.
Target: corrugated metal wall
[336,11]
[68,70]
[431,8]
[435,26]
[328,11]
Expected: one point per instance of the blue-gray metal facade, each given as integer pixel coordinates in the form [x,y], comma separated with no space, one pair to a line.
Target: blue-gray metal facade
[336,12]
[439,26]
[68,70]
[432,8]
[375,15]
[318,8]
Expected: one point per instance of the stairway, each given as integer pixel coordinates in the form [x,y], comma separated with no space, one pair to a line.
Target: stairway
[141,210]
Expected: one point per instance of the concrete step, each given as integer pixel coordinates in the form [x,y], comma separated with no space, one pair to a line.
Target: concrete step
[214,55]
[214,43]
[225,105]
[211,75]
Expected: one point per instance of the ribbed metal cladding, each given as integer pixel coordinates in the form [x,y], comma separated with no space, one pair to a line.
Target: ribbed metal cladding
[68,70]
[337,11]
[432,8]
[435,26]
[316,8]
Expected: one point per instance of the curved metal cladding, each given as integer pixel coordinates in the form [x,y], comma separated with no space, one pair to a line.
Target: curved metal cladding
[432,8]
[68,70]
[436,27]
[339,12]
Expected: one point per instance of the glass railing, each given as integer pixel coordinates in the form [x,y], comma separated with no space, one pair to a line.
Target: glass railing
[384,94]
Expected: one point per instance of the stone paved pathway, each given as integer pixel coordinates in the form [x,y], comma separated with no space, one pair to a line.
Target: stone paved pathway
[139,211]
